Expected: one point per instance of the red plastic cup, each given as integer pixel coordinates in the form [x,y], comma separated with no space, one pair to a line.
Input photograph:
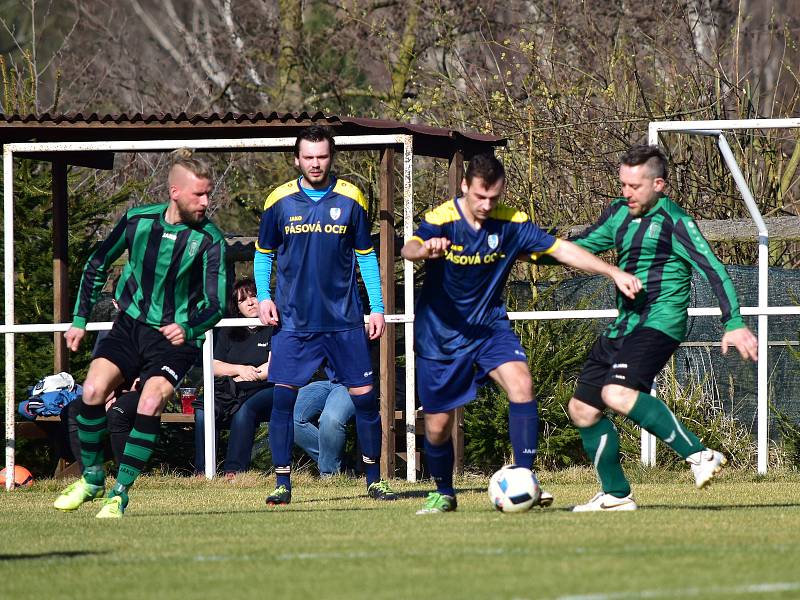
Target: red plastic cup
[187,396]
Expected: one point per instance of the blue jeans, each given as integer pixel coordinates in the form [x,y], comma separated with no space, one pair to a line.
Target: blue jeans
[321,414]
[256,409]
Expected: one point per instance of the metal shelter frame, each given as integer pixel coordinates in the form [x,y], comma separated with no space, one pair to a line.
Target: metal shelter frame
[9,329]
[84,140]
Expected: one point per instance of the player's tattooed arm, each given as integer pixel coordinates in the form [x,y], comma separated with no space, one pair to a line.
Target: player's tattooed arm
[414,249]
[573,255]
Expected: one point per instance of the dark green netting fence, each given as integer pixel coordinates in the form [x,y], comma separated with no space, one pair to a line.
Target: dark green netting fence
[728,380]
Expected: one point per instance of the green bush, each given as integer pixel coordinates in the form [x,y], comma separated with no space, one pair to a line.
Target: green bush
[556,351]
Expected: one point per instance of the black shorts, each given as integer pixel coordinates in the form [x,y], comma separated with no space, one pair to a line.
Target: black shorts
[138,350]
[632,361]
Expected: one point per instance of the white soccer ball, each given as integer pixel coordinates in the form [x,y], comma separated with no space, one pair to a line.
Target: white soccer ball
[513,489]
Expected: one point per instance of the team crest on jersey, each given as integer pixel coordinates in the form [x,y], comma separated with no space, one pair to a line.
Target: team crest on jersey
[193,247]
[493,240]
[336,212]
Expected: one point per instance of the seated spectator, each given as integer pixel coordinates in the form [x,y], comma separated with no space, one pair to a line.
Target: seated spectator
[243,398]
[321,414]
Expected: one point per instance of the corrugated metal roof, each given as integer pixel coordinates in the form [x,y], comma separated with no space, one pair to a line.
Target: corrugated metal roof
[428,141]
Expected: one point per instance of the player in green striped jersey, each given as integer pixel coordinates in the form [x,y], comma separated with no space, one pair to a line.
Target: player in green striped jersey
[171,291]
[660,243]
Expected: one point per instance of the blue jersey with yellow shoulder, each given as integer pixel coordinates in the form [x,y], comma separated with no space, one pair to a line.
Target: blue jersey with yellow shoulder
[314,243]
[461,302]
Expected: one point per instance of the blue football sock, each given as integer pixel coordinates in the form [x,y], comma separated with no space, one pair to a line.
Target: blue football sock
[281,434]
[523,429]
[440,460]
[368,427]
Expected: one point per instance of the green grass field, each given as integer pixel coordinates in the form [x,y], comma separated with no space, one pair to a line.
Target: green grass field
[187,538]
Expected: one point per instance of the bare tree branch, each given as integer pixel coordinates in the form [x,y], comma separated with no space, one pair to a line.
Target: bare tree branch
[167,45]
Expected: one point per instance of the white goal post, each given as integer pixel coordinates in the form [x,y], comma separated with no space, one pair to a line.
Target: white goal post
[717,130]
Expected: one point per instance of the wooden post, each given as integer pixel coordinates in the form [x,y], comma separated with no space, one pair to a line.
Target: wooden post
[388,374]
[61,308]
[454,176]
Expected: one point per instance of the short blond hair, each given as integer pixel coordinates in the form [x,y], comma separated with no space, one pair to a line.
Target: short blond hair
[184,157]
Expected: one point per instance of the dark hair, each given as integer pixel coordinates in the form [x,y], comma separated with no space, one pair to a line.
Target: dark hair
[487,167]
[641,154]
[315,133]
[244,288]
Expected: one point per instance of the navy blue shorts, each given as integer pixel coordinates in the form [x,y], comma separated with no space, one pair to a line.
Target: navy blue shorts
[138,350]
[443,385]
[632,361]
[297,355]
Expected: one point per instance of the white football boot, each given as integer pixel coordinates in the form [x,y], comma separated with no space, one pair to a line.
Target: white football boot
[705,465]
[545,499]
[602,502]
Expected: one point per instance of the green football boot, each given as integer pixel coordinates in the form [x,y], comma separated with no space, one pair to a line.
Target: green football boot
[77,493]
[113,507]
[380,490]
[438,503]
[281,495]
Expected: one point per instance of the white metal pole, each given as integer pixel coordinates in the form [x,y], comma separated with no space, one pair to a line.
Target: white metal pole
[647,441]
[684,126]
[209,415]
[200,144]
[408,300]
[763,300]
[8,270]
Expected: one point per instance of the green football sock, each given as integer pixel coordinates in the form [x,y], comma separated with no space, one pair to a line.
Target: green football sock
[652,415]
[601,442]
[138,449]
[91,433]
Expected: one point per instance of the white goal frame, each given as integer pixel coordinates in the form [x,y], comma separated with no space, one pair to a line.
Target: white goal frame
[717,129]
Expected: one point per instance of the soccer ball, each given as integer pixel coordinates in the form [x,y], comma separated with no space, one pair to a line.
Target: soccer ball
[513,489]
[22,477]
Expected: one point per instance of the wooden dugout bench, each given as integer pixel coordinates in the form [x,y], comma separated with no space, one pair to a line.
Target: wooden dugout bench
[54,430]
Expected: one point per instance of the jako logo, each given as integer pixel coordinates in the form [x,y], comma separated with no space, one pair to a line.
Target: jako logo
[367,373]
[170,371]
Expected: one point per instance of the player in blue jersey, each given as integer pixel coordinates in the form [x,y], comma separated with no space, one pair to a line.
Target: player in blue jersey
[462,335]
[317,227]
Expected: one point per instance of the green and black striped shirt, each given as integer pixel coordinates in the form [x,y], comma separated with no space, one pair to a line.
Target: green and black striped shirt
[175,273]
[660,248]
